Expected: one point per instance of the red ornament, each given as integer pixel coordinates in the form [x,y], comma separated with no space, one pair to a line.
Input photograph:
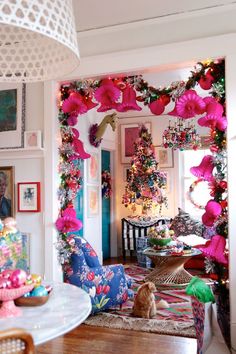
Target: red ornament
[206,81]
[223,184]
[224,204]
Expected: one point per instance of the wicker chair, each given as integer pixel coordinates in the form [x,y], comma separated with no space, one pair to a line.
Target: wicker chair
[17,341]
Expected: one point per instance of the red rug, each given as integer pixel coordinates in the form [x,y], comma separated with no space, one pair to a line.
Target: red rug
[175,320]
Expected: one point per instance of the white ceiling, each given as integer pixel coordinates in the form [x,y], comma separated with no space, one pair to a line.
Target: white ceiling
[95,14]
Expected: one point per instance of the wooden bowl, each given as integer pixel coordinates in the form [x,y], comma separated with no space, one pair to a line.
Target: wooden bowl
[32,300]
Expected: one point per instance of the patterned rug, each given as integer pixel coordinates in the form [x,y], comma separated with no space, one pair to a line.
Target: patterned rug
[176,320]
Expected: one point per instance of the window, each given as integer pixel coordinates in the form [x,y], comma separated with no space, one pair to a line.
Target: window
[189,158]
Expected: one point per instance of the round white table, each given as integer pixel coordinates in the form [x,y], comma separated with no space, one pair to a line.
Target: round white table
[67,307]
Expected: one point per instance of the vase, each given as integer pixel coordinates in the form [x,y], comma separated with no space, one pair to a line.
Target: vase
[7,296]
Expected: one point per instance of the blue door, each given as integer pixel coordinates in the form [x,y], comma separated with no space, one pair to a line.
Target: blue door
[79,200]
[106,213]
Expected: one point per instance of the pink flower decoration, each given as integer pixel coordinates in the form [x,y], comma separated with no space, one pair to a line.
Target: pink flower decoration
[157,107]
[215,249]
[204,170]
[213,121]
[74,104]
[206,81]
[107,94]
[128,101]
[68,221]
[213,210]
[190,105]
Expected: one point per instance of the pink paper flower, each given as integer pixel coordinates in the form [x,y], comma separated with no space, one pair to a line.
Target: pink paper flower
[212,106]
[68,221]
[215,249]
[213,121]
[74,104]
[189,105]
[107,94]
[213,210]
[128,101]
[204,170]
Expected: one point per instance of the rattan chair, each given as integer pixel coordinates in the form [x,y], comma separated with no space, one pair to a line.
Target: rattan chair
[17,341]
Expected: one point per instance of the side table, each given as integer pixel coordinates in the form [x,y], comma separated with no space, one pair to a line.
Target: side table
[169,269]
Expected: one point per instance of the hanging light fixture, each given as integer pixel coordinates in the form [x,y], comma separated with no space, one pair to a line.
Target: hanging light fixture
[37,40]
[181,135]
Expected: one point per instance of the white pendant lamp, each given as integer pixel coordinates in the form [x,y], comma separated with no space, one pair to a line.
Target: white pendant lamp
[38,40]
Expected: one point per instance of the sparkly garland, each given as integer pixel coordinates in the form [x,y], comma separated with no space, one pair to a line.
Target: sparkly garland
[81,94]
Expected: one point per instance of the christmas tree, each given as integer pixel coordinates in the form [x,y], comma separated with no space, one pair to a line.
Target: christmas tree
[145,183]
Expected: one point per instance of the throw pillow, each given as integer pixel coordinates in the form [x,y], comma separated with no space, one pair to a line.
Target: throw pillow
[183,224]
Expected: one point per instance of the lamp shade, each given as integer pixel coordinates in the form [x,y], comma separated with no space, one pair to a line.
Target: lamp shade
[38,40]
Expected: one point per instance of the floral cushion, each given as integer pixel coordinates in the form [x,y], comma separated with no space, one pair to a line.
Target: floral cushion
[90,255]
[183,224]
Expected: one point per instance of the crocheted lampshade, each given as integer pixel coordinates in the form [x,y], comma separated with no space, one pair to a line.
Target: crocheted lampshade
[38,40]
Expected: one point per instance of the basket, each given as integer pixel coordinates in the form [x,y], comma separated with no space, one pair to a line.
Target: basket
[160,241]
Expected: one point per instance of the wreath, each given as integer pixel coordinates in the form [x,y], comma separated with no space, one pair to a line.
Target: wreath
[191,191]
[106,184]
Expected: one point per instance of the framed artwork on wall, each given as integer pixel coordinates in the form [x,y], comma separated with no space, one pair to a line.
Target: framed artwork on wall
[93,168]
[32,139]
[93,201]
[28,196]
[7,207]
[164,157]
[12,115]
[128,135]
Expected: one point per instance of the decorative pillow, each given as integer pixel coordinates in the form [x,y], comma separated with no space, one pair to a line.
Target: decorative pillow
[183,224]
[90,255]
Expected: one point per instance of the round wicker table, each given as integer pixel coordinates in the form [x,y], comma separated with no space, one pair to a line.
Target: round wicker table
[169,269]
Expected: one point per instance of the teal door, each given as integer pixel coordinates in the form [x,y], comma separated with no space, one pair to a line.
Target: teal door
[106,213]
[79,200]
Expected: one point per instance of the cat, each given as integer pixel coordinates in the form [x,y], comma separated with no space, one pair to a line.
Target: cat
[144,302]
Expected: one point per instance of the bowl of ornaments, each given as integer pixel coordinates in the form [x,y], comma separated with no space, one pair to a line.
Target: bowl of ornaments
[38,295]
[160,236]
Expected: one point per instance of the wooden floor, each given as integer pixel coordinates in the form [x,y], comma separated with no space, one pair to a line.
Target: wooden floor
[96,340]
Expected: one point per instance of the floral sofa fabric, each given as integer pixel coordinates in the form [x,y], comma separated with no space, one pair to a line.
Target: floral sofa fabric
[107,286]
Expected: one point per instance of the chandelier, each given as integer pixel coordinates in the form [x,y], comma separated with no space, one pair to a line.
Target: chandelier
[181,135]
[38,40]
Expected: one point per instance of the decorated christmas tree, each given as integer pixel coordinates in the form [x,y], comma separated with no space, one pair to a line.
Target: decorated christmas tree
[145,183]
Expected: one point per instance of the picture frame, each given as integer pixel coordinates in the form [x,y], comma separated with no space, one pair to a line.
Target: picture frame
[28,196]
[164,157]
[33,139]
[125,173]
[93,168]
[128,135]
[12,115]
[93,201]
[7,197]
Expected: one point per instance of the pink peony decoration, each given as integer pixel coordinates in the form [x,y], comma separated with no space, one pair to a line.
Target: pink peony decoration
[78,147]
[190,104]
[128,101]
[206,81]
[107,94]
[204,170]
[213,210]
[215,249]
[68,221]
[157,107]
[74,104]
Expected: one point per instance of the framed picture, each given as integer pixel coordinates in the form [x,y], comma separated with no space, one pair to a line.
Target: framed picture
[28,196]
[93,168]
[168,181]
[126,171]
[12,116]
[164,157]
[32,139]
[93,201]
[129,133]
[7,207]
